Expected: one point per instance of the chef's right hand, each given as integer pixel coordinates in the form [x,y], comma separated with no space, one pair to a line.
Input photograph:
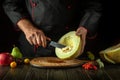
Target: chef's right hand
[33,35]
[37,37]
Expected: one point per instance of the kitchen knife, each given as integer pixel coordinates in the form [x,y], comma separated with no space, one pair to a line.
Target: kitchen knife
[55,44]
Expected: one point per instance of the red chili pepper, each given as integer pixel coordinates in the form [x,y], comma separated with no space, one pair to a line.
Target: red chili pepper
[89,66]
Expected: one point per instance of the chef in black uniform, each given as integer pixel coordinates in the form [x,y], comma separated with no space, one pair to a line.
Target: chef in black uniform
[42,20]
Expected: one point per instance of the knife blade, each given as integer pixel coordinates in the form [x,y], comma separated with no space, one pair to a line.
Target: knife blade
[55,44]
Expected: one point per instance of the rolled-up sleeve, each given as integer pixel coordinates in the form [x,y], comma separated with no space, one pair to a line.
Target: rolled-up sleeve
[91,17]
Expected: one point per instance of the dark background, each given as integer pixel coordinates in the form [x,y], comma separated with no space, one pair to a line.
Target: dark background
[8,36]
[108,31]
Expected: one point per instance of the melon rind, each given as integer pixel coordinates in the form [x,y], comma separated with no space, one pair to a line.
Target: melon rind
[72,40]
[111,54]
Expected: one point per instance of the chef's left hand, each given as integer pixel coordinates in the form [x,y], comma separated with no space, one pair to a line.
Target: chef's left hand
[82,32]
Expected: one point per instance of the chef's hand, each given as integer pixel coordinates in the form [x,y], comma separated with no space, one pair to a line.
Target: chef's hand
[37,37]
[82,32]
[33,35]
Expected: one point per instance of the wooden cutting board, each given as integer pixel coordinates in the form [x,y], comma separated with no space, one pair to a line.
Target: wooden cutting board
[54,62]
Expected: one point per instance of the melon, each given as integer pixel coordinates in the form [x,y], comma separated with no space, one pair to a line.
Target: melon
[111,54]
[73,46]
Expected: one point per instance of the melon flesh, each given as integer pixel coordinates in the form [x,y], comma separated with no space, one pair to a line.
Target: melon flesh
[73,45]
[111,54]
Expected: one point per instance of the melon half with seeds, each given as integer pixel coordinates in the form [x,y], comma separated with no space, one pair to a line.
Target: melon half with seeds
[111,54]
[73,46]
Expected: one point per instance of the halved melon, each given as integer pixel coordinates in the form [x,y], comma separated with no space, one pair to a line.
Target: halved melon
[111,54]
[73,46]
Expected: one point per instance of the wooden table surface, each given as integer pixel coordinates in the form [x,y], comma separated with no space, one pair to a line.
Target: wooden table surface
[28,72]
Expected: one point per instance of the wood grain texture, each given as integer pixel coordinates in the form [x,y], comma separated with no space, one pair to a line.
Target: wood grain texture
[54,62]
[28,72]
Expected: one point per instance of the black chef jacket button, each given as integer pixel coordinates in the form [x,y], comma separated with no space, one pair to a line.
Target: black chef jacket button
[69,7]
[66,27]
[34,4]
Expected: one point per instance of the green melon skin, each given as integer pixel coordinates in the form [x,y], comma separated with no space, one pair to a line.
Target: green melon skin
[72,41]
[111,54]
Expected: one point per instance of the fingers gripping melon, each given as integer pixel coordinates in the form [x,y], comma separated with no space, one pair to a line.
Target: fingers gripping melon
[111,54]
[73,46]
